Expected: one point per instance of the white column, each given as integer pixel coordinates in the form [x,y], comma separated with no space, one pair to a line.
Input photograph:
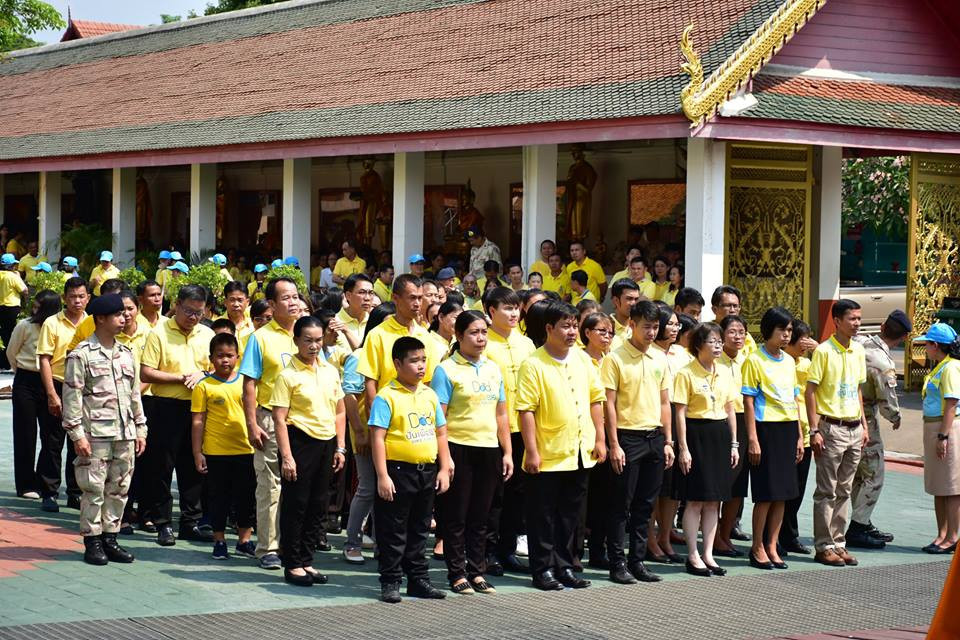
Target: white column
[831,199]
[408,171]
[539,200]
[49,212]
[705,217]
[295,221]
[203,207]
[124,205]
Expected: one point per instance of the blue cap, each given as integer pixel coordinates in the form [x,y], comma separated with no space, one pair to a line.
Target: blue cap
[260,268]
[940,333]
[42,266]
[415,258]
[175,255]
[291,261]
[179,266]
[105,305]
[446,274]
[165,255]
[276,263]
[70,261]
[106,256]
[8,258]
[218,259]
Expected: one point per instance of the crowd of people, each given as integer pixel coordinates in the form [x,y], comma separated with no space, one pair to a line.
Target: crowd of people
[506,413]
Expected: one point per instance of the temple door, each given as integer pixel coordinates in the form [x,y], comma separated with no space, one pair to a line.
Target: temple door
[767,236]
[933,261]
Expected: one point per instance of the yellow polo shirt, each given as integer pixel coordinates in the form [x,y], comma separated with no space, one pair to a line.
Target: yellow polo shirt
[257,293]
[225,426]
[55,335]
[560,283]
[137,341]
[346,268]
[170,350]
[411,419]
[803,368]
[509,353]
[580,297]
[560,395]
[28,261]
[648,289]
[595,275]
[772,383]
[354,326]
[163,277]
[626,274]
[705,394]
[311,394]
[735,366]
[11,286]
[382,290]
[440,345]
[540,267]
[749,344]
[838,372]
[376,359]
[670,297]
[268,350]
[638,377]
[84,330]
[471,391]
[621,331]
[103,275]
[15,248]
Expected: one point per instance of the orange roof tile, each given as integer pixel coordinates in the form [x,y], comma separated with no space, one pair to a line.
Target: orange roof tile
[78,29]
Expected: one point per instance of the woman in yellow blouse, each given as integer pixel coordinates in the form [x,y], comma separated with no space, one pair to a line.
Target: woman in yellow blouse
[596,333]
[675,280]
[442,325]
[798,349]
[703,393]
[661,270]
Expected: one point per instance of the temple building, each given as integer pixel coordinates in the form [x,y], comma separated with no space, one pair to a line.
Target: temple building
[719,126]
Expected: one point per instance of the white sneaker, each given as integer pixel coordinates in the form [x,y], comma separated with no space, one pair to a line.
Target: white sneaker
[366,542]
[353,556]
[31,495]
[522,546]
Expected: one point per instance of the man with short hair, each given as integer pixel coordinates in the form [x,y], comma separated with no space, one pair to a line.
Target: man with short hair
[358,295]
[624,294]
[596,278]
[837,432]
[481,250]
[542,264]
[31,259]
[349,264]
[632,253]
[690,302]
[639,274]
[578,282]
[150,297]
[879,395]
[515,277]
[383,283]
[175,358]
[471,291]
[556,277]
[726,301]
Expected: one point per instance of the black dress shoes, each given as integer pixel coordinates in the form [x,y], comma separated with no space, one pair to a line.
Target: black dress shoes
[693,570]
[424,589]
[716,570]
[545,581]
[756,564]
[569,579]
[620,575]
[652,557]
[794,546]
[732,552]
[494,568]
[165,536]
[641,573]
[741,535]
[306,580]
[195,533]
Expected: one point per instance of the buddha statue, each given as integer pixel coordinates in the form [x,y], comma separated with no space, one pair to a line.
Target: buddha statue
[581,178]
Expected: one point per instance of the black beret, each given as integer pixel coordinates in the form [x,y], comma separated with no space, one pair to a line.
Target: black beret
[106,305]
[900,318]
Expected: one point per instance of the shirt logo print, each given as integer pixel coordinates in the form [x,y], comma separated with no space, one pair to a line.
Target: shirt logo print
[420,427]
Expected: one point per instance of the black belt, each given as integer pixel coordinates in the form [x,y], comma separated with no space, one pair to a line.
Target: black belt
[419,466]
[852,424]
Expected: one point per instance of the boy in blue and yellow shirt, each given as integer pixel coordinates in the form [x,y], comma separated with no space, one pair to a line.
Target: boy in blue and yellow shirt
[408,437]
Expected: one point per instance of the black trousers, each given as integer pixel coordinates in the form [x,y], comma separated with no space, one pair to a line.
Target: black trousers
[231,483]
[29,412]
[169,449]
[304,502]
[554,503]
[790,529]
[635,491]
[8,320]
[402,525]
[507,514]
[464,510]
[599,493]
[52,439]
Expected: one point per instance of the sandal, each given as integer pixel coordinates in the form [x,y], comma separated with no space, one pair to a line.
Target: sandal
[462,588]
[482,586]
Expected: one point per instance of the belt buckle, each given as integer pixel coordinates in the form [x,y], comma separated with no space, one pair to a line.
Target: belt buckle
[421,466]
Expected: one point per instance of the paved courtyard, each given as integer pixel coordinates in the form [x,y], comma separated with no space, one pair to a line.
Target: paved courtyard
[180,592]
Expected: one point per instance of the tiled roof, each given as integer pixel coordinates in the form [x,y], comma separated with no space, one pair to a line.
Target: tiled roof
[88,29]
[860,102]
[315,69]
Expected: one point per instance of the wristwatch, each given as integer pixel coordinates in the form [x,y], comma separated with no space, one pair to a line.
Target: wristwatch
[943,436]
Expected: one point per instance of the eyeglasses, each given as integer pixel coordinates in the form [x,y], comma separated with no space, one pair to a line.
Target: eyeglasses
[714,343]
[191,314]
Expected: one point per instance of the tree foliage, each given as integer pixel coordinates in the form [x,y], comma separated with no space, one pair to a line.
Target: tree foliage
[222,6]
[20,18]
[205,274]
[876,193]
[84,242]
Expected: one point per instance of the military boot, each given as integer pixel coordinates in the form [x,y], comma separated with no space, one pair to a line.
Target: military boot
[858,536]
[873,532]
[114,551]
[93,551]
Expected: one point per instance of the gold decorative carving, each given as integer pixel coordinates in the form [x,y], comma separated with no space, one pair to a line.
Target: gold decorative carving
[701,98]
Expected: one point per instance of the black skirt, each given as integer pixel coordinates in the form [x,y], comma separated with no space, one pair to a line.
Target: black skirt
[709,478]
[740,474]
[775,478]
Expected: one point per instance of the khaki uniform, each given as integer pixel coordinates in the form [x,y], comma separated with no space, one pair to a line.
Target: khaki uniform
[479,255]
[101,402]
[879,395]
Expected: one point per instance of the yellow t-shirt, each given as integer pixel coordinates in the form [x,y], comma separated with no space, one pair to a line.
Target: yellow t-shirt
[626,274]
[772,383]
[560,283]
[803,367]
[170,350]
[311,394]
[595,274]
[540,267]
[471,392]
[354,326]
[509,353]
[670,297]
[84,330]
[55,335]
[382,290]
[346,268]
[162,276]
[224,427]
[440,345]
[638,377]
[838,373]
[11,286]
[256,293]
[735,365]
[26,264]
[15,248]
[376,360]
[648,290]
[102,275]
[315,275]
[137,341]
[411,420]
[749,344]
[705,394]
[560,395]
[267,351]
[580,297]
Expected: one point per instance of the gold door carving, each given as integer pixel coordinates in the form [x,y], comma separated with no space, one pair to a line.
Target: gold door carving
[768,227]
[934,253]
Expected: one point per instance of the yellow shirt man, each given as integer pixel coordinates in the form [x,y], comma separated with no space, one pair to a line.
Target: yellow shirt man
[346,268]
[559,283]
[638,377]
[267,352]
[225,428]
[595,275]
[471,392]
[803,368]
[11,286]
[376,362]
[382,291]
[356,326]
[26,264]
[55,334]
[15,248]
[587,294]
[311,395]
[772,383]
[838,372]
[540,267]
[170,350]
[411,419]
[101,275]
[560,395]
[705,394]
[84,330]
[509,353]
[256,291]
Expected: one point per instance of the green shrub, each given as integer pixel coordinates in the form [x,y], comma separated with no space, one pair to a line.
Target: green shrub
[288,271]
[42,281]
[132,276]
[207,275]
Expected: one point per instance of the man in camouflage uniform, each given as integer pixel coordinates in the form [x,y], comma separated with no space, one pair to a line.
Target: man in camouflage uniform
[879,395]
[103,416]
[481,250]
